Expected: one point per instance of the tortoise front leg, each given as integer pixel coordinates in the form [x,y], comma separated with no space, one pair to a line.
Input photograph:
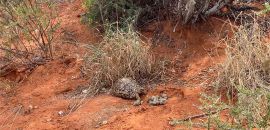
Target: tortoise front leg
[138,100]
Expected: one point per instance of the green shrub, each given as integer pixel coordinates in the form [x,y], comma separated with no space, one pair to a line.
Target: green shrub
[28,29]
[119,13]
[266,9]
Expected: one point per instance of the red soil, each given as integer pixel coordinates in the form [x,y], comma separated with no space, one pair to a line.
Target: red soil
[35,103]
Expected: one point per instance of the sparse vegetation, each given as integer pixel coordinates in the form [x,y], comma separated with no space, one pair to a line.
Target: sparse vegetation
[28,29]
[245,77]
[247,60]
[266,8]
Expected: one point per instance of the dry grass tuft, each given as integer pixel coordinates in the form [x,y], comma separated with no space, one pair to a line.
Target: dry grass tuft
[6,84]
[121,54]
[247,62]
[245,75]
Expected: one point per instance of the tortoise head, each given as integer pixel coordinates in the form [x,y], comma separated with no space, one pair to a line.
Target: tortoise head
[142,90]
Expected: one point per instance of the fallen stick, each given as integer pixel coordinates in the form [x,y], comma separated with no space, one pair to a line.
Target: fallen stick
[220,4]
[234,8]
[199,116]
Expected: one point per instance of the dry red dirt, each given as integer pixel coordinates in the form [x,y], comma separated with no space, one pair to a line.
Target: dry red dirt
[35,103]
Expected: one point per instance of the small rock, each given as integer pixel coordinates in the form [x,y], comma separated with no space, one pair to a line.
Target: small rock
[125,109]
[29,110]
[61,113]
[101,123]
[103,90]
[30,107]
[49,120]
[85,91]
[35,107]
[104,122]
[158,100]
[73,77]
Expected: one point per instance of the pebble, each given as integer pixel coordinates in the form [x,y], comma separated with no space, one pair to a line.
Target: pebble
[103,90]
[30,107]
[61,113]
[49,120]
[85,91]
[101,123]
[104,122]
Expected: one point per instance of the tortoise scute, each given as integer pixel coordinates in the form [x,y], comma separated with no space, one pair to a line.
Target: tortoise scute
[126,88]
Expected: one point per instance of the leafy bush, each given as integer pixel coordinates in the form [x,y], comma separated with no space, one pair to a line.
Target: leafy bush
[142,12]
[117,12]
[28,29]
[120,54]
[139,12]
